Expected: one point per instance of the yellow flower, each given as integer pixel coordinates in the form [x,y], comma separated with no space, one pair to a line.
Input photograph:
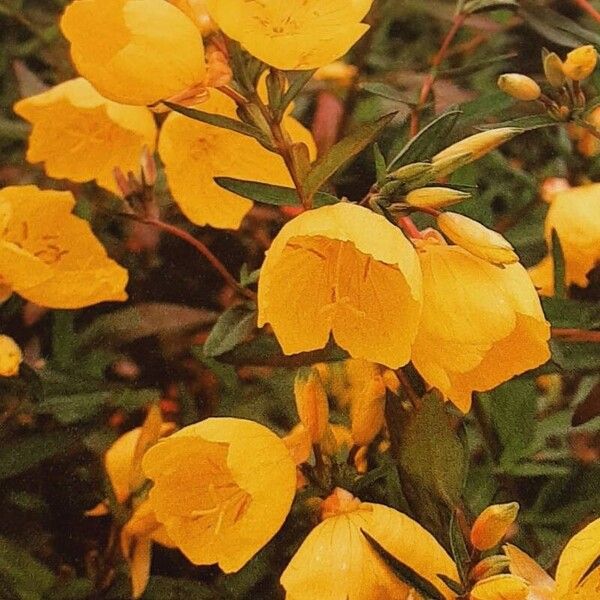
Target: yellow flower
[501,587]
[492,525]
[477,239]
[134,51]
[435,197]
[194,153]
[337,562]
[575,216]
[11,357]
[345,271]
[481,324]
[298,34]
[580,63]
[51,257]
[519,86]
[81,136]
[222,489]
[197,11]
[577,573]
[554,70]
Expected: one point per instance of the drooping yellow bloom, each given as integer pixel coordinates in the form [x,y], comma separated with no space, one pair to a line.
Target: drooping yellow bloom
[492,525]
[345,271]
[11,357]
[222,489]
[477,239]
[298,34]
[81,136]
[194,153]
[481,324]
[134,51]
[336,562]
[51,257]
[577,573]
[575,216]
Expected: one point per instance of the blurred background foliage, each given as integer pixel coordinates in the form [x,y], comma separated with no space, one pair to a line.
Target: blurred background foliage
[90,373]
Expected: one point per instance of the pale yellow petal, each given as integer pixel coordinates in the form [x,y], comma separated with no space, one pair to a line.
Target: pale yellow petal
[522,565]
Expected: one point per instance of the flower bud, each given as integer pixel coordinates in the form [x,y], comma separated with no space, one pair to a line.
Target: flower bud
[493,524]
[337,72]
[489,566]
[519,86]
[10,357]
[553,68]
[448,164]
[435,197]
[368,412]
[414,174]
[580,63]
[477,239]
[478,145]
[311,403]
[391,381]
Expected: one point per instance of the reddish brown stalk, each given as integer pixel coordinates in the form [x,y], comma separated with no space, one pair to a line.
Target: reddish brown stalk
[410,229]
[429,80]
[204,250]
[588,8]
[576,335]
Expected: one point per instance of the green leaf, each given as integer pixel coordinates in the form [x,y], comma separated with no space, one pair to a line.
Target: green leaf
[343,152]
[21,575]
[380,166]
[571,314]
[556,27]
[267,193]
[405,573]
[588,408]
[431,462]
[297,80]
[575,357]
[528,123]
[221,121]
[20,455]
[234,326]
[386,91]
[558,258]
[68,410]
[460,552]
[512,411]
[428,142]
[477,6]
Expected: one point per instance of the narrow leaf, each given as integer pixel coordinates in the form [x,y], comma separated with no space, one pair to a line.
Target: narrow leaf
[528,123]
[343,152]
[386,91]
[405,573]
[380,167]
[267,193]
[233,327]
[427,142]
[220,121]
[298,80]
[558,257]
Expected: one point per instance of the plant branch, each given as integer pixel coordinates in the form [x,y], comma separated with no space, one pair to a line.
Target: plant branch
[588,8]
[429,80]
[202,248]
[576,335]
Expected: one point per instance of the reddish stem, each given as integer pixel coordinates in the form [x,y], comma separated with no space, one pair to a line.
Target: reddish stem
[204,250]
[588,8]
[429,80]
[410,229]
[576,335]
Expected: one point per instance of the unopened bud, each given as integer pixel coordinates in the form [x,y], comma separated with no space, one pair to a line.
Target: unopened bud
[311,403]
[435,197]
[492,525]
[448,164]
[367,412]
[478,145]
[489,566]
[477,239]
[519,86]
[580,63]
[414,174]
[501,586]
[553,68]
[11,357]
[337,72]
